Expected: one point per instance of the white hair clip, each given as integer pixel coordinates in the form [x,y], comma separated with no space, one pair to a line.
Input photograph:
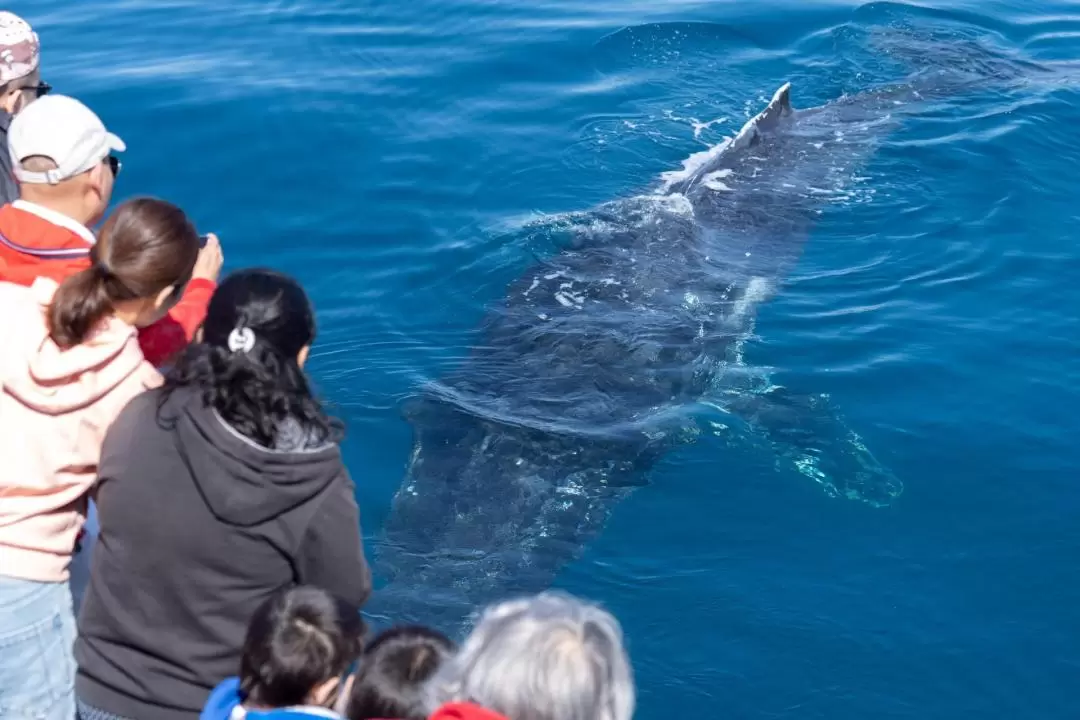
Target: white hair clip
[241,339]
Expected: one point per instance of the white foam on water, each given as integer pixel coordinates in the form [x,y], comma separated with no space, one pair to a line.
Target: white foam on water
[714,180]
[569,300]
[700,127]
[564,299]
[581,221]
[692,164]
[757,290]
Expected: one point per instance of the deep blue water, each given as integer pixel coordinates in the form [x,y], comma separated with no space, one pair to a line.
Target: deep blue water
[389,154]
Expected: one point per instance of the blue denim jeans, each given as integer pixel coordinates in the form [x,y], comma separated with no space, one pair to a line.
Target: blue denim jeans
[37,638]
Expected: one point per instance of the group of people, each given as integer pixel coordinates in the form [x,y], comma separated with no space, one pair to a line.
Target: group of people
[229,573]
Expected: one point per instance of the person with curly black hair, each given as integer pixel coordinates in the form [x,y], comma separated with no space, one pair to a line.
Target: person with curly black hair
[216,491]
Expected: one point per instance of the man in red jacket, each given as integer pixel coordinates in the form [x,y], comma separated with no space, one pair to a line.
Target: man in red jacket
[64,160]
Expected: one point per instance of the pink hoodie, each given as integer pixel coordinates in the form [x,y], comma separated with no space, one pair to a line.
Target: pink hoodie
[55,406]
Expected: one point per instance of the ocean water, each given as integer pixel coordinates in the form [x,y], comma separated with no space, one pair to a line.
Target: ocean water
[390,155]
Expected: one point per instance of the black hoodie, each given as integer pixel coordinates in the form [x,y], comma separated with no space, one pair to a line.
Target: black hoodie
[199,525]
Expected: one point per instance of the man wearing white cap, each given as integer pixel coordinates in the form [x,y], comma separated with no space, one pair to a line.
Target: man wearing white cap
[20,85]
[65,162]
[62,157]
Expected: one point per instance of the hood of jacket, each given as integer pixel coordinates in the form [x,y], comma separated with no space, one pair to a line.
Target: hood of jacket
[465,711]
[53,380]
[243,483]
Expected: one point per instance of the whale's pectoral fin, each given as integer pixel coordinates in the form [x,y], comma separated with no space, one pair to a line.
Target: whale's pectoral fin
[806,431]
[784,415]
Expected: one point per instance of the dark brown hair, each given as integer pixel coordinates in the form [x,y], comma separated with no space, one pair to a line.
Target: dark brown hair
[298,639]
[145,246]
[394,670]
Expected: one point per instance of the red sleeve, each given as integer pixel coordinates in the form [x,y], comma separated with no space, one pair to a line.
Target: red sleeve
[172,333]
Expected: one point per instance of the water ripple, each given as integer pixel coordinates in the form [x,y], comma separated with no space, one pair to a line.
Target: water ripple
[405,160]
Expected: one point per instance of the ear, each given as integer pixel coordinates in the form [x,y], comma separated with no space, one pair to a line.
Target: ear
[9,101]
[97,179]
[342,703]
[164,296]
[302,356]
[322,693]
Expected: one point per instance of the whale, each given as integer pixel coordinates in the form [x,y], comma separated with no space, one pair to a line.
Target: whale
[603,356]
[587,374]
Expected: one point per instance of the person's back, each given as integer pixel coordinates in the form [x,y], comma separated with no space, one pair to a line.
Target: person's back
[215,492]
[70,363]
[53,403]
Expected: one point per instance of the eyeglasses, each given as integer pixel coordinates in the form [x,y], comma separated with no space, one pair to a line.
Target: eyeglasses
[114,164]
[40,90]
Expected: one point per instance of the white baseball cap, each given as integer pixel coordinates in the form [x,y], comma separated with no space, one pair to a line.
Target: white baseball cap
[65,131]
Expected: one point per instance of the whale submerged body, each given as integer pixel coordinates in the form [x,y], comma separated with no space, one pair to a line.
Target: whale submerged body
[581,379]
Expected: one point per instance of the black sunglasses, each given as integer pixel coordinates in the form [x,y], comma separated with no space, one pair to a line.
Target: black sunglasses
[40,90]
[114,164]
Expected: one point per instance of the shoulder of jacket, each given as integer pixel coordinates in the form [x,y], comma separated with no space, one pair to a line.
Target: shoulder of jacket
[134,401]
[330,498]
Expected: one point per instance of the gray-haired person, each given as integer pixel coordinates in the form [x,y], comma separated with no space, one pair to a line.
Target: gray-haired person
[546,657]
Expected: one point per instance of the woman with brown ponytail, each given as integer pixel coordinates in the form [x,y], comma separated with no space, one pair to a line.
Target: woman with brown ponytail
[69,362]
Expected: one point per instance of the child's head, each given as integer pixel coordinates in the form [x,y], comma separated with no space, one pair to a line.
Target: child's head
[299,646]
[393,671]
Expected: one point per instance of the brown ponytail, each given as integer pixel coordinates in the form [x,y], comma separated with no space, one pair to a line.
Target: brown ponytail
[145,246]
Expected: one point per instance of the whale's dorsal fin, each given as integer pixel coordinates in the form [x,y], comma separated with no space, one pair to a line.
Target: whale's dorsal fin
[767,120]
[778,108]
